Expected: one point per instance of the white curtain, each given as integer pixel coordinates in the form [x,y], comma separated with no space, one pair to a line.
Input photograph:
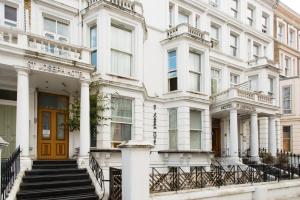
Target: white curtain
[183,18]
[49,25]
[121,53]
[173,128]
[195,129]
[62,29]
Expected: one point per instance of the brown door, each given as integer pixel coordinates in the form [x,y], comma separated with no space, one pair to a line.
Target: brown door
[216,141]
[53,137]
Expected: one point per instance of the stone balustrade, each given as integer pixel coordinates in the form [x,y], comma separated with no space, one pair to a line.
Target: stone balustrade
[27,41]
[242,94]
[186,29]
[132,6]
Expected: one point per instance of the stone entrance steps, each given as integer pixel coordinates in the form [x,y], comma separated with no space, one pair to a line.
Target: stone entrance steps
[53,180]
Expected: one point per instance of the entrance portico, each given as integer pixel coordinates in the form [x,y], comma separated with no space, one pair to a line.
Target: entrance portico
[33,131]
[240,122]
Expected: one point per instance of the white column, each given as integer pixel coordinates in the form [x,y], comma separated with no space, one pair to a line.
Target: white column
[84,123]
[135,170]
[22,121]
[234,151]
[254,136]
[272,136]
[207,140]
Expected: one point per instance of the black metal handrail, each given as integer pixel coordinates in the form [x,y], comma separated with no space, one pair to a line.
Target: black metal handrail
[98,172]
[10,169]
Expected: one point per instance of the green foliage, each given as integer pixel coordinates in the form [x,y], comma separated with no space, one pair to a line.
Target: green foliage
[98,104]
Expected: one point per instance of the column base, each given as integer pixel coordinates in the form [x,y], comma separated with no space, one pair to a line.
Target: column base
[25,163]
[83,161]
[255,159]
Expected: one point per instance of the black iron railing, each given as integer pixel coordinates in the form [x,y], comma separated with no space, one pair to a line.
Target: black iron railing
[182,178]
[115,185]
[10,168]
[98,172]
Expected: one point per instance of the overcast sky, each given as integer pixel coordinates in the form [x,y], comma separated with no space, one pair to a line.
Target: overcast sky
[294,4]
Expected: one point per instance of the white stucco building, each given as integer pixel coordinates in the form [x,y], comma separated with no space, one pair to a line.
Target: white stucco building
[196,78]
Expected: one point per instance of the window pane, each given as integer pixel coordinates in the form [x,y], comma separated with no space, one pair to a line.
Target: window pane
[10,13]
[172,61]
[60,123]
[46,120]
[121,63]
[121,39]
[50,25]
[195,120]
[62,29]
[121,110]
[94,58]
[93,37]
[173,139]
[214,32]
[233,40]
[195,62]
[195,139]
[183,18]
[195,81]
[172,119]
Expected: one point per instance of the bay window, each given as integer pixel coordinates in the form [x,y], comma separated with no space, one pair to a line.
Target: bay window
[173,128]
[195,129]
[93,44]
[121,51]
[10,16]
[172,71]
[195,71]
[121,120]
[287,100]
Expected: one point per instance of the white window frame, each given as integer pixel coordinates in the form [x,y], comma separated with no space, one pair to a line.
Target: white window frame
[94,49]
[172,71]
[234,11]
[253,79]
[55,35]
[250,19]
[9,22]
[281,35]
[198,131]
[234,79]
[287,66]
[217,29]
[265,18]
[234,47]
[113,142]
[184,13]
[271,87]
[129,53]
[171,15]
[215,71]
[197,73]
[171,130]
[257,46]
[284,99]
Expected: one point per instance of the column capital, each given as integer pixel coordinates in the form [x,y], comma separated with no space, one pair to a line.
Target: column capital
[272,116]
[22,69]
[85,81]
[254,114]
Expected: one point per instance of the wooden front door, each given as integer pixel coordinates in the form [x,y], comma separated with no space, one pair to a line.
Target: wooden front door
[216,141]
[216,137]
[53,137]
